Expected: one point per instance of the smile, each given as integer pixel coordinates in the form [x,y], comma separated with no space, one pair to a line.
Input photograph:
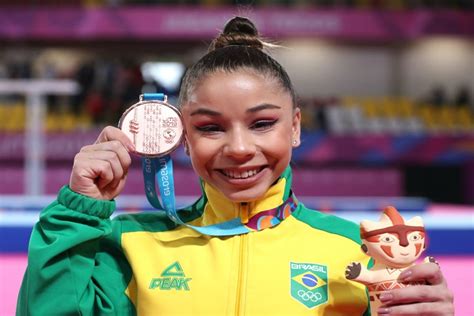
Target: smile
[240,174]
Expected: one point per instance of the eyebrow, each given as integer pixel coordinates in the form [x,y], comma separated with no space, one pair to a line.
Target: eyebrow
[261,107]
[204,111]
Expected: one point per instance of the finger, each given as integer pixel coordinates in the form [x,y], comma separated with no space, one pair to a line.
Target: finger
[427,272]
[111,133]
[431,259]
[112,157]
[415,293]
[115,147]
[99,171]
[419,309]
[120,151]
[105,172]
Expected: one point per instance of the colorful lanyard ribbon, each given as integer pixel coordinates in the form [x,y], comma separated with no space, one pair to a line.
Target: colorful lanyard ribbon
[160,170]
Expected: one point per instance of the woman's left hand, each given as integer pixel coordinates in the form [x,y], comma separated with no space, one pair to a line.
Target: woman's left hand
[434,298]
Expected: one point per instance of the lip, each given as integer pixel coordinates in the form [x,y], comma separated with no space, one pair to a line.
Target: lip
[243,182]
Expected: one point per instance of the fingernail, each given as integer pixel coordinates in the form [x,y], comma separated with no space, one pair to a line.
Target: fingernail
[385,297]
[405,275]
[131,147]
[383,311]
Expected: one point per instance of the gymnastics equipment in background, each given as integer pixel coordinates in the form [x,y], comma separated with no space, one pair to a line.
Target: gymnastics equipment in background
[35,91]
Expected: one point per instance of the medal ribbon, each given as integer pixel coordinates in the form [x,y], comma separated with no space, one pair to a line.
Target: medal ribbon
[160,170]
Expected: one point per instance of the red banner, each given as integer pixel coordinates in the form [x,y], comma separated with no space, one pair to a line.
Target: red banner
[196,23]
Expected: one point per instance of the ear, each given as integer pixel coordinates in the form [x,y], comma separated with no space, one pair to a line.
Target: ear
[296,127]
[185,143]
[186,146]
[425,243]
[364,249]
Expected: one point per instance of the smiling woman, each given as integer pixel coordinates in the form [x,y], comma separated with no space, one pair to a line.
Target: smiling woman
[241,128]
[240,114]
[241,122]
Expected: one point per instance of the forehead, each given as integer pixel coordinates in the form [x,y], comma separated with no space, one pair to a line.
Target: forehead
[239,87]
[240,74]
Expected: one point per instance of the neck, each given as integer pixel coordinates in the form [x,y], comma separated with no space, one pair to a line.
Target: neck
[219,208]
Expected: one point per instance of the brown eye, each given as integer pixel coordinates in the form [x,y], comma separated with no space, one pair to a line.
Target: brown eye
[263,124]
[387,239]
[415,237]
[210,128]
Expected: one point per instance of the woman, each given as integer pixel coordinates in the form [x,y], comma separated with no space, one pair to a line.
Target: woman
[242,121]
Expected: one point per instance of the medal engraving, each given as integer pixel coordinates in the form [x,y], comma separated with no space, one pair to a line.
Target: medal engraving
[154,127]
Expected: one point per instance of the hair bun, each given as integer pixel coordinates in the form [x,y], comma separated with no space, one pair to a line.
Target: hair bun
[240,25]
[238,31]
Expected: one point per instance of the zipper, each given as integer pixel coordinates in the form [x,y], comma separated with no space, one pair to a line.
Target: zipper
[243,239]
[242,265]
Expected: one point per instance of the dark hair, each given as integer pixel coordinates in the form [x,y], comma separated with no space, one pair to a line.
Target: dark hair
[238,46]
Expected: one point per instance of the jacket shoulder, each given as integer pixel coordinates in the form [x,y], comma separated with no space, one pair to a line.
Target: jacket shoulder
[157,221]
[328,223]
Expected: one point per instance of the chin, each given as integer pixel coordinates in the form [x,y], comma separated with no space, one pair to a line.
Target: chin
[247,195]
[401,264]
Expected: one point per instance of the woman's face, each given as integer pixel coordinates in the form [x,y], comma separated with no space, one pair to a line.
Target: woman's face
[240,130]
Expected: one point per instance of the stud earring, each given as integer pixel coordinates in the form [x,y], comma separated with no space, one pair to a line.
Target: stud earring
[295,142]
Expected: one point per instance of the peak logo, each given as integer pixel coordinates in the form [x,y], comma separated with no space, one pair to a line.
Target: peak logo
[172,278]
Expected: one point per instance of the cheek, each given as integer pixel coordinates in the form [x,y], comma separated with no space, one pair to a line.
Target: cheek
[278,145]
[201,153]
[378,251]
[387,250]
[418,247]
[280,153]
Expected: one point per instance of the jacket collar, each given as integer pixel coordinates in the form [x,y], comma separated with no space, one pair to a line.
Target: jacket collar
[219,209]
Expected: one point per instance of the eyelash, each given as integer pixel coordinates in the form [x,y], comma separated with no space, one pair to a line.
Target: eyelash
[260,125]
[211,128]
[263,124]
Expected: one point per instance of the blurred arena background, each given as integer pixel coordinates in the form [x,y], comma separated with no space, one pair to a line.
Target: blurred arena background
[386,91]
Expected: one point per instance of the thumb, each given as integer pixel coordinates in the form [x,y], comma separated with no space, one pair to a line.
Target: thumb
[111,133]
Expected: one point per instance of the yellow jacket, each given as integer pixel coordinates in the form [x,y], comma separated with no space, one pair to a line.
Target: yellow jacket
[80,262]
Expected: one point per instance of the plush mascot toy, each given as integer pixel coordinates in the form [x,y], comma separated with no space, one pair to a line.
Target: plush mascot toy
[394,245]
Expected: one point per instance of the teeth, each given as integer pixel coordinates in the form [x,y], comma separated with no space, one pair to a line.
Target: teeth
[240,175]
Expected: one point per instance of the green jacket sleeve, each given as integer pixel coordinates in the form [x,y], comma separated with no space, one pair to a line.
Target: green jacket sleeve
[75,262]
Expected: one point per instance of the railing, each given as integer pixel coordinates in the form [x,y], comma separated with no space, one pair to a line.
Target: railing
[35,92]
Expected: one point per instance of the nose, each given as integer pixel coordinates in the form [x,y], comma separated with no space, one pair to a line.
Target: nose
[403,240]
[239,145]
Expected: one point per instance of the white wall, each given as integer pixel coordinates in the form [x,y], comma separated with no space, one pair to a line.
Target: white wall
[448,62]
[321,68]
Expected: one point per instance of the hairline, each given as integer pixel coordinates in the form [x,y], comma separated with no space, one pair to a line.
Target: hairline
[193,84]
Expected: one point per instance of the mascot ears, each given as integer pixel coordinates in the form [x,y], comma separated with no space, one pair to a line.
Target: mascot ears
[364,249]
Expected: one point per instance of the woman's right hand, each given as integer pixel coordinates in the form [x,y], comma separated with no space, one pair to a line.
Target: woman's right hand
[100,170]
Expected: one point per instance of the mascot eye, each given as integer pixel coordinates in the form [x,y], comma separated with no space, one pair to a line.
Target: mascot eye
[415,237]
[387,239]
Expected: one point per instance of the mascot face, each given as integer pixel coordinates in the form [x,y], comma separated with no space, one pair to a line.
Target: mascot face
[392,240]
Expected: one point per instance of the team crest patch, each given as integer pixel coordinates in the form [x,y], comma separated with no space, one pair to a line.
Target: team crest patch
[309,283]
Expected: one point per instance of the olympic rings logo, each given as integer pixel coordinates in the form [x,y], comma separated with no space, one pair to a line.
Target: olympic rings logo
[312,296]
